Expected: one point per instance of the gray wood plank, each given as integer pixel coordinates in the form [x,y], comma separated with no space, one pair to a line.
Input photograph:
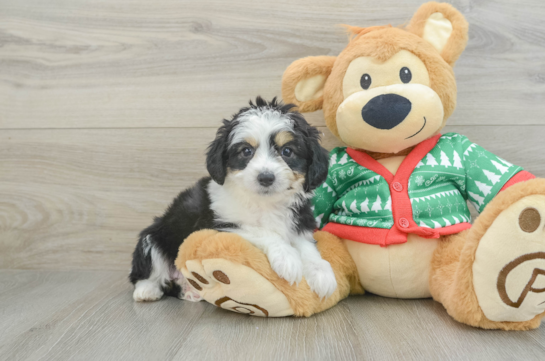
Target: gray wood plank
[84,315]
[91,316]
[168,63]
[421,329]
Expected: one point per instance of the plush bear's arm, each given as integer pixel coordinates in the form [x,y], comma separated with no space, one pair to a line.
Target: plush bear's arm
[521,176]
[486,173]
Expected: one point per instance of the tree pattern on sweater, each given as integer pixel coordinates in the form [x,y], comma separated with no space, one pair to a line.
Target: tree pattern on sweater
[454,171]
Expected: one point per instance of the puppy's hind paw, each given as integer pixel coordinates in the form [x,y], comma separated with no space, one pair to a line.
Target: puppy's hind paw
[320,278]
[146,291]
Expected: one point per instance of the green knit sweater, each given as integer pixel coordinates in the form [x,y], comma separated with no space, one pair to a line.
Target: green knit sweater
[454,171]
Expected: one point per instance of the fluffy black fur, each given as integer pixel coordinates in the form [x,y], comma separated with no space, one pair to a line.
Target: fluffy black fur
[190,211]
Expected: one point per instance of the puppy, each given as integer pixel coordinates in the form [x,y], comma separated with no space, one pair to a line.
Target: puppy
[264,164]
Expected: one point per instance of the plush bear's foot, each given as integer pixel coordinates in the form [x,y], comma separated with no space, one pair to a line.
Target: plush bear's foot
[493,275]
[229,272]
[237,288]
[509,267]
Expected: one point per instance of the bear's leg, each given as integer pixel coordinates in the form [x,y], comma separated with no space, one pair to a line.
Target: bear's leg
[493,275]
[229,272]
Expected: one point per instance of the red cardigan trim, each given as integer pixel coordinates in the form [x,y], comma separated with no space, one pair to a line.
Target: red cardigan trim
[521,176]
[385,237]
[406,167]
[402,209]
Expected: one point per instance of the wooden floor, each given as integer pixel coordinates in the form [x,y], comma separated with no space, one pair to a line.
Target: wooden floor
[106,108]
[83,315]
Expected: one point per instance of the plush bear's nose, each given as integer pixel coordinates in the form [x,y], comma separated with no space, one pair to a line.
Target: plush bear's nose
[386,111]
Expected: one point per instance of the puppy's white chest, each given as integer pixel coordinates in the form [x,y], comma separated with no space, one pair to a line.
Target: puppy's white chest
[267,220]
[251,214]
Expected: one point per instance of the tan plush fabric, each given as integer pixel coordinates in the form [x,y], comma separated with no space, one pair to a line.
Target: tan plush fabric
[437,31]
[236,287]
[457,41]
[310,88]
[384,73]
[380,43]
[399,271]
[507,245]
[451,277]
[209,249]
[303,69]
[350,125]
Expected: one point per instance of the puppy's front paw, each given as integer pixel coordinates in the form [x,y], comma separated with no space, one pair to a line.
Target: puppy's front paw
[286,262]
[320,277]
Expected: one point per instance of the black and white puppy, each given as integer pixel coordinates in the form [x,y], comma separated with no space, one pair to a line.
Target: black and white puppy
[264,164]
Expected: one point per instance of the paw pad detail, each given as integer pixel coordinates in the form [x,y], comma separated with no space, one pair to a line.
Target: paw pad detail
[195,284]
[502,278]
[221,277]
[235,287]
[240,307]
[529,220]
[199,277]
[509,267]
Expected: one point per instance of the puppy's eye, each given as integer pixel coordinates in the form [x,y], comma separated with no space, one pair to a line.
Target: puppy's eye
[247,152]
[405,75]
[365,81]
[287,152]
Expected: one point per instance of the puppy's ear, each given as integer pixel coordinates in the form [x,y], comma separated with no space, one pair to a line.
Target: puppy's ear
[317,170]
[303,82]
[216,157]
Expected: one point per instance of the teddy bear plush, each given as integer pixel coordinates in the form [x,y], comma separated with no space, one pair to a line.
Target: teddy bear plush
[393,212]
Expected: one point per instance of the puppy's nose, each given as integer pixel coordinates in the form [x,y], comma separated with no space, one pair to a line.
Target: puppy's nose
[386,111]
[266,179]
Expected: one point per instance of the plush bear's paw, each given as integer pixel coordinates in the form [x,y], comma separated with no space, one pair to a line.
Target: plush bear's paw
[187,292]
[320,278]
[286,262]
[509,267]
[236,287]
[147,291]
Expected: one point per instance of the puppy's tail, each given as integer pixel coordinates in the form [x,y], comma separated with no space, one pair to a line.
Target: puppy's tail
[141,260]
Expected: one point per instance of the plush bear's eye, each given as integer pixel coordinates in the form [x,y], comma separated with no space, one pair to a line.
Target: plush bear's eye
[365,81]
[405,75]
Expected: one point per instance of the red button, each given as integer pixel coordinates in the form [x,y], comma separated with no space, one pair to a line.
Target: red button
[403,223]
[398,187]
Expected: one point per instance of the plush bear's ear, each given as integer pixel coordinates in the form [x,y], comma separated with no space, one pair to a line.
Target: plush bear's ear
[442,26]
[303,82]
